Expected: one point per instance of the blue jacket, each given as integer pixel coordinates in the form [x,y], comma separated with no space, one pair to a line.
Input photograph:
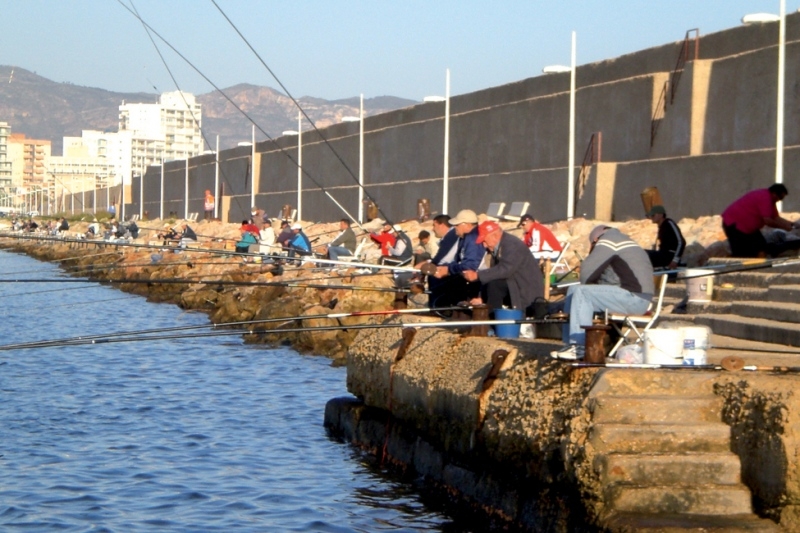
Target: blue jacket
[301,242]
[470,254]
[449,240]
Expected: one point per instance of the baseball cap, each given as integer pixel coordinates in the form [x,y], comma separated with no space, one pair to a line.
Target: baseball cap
[296,226]
[597,232]
[485,228]
[524,218]
[465,215]
[656,209]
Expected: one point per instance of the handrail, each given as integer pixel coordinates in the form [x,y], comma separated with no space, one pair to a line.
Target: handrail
[683,57]
[675,77]
[658,114]
[592,156]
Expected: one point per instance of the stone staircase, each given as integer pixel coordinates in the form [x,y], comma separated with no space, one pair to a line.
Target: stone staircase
[756,305]
[663,455]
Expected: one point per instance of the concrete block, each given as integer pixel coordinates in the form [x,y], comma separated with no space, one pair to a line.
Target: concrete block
[784,293]
[656,409]
[704,500]
[781,311]
[670,469]
[735,294]
[661,438]
[683,523]
[638,381]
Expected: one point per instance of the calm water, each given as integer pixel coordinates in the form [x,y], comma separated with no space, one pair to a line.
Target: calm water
[179,435]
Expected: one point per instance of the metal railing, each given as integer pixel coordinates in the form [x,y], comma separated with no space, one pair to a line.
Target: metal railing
[691,45]
[594,152]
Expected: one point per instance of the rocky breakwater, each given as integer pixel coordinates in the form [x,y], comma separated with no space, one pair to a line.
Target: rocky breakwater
[217,283]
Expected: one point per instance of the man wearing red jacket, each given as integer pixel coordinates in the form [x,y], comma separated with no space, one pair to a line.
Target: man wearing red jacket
[539,239]
[385,238]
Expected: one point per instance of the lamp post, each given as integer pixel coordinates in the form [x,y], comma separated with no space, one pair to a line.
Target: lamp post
[446,166]
[760,18]
[299,163]
[571,156]
[360,120]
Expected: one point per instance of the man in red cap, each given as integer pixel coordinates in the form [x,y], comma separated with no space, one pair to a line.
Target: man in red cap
[513,279]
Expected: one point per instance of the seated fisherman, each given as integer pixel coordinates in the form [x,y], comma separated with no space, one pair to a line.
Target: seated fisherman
[616,275]
[670,243]
[249,236]
[539,239]
[299,244]
[187,236]
[343,244]
[402,249]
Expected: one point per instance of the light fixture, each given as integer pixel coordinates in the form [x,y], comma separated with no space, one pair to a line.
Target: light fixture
[760,18]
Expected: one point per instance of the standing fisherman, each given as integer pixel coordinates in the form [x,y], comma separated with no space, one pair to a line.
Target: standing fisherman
[208,206]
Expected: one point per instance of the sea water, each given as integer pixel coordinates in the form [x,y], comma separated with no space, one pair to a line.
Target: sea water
[195,434]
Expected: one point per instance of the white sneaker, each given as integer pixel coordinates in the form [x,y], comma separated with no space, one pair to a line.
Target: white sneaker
[569,352]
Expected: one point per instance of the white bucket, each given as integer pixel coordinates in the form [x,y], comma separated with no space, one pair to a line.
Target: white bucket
[696,342]
[699,285]
[663,346]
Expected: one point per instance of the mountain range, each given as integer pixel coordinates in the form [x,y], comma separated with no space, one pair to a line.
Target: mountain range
[44,109]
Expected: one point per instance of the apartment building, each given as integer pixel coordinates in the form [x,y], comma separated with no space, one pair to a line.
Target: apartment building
[5,163]
[30,161]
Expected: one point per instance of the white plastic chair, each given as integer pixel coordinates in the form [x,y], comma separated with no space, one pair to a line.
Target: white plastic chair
[516,211]
[357,254]
[561,260]
[628,326]
[495,210]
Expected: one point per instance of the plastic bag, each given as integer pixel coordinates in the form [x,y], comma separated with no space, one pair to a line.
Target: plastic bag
[631,354]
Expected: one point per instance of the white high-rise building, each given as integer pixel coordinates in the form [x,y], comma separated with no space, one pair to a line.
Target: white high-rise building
[152,133]
[5,163]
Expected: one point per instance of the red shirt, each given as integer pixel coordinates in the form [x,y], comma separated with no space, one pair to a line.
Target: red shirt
[540,239]
[385,240]
[251,228]
[748,212]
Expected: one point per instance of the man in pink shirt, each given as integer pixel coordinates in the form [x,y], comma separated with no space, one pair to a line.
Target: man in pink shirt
[743,219]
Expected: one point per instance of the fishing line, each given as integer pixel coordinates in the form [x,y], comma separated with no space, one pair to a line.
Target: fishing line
[297,104]
[280,148]
[44,291]
[194,118]
[278,331]
[287,319]
[75,304]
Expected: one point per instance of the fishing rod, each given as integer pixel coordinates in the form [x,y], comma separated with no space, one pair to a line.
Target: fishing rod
[313,125]
[284,320]
[229,99]
[313,329]
[301,258]
[217,283]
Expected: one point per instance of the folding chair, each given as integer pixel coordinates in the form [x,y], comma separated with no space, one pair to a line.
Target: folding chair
[628,326]
[561,260]
[357,254]
[495,210]
[516,211]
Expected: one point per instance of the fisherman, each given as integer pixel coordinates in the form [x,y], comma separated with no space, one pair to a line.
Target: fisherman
[450,286]
[299,244]
[285,235]
[168,236]
[426,249]
[257,217]
[187,236]
[343,244]
[539,239]
[267,235]
[670,241]
[513,279]
[616,275]
[401,251]
[64,226]
[208,206]
[743,219]
[385,238]
[249,236]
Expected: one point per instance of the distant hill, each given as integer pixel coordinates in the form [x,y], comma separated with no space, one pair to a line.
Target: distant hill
[44,109]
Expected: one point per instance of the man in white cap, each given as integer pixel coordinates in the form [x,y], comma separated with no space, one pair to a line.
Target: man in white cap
[447,284]
[299,243]
[616,275]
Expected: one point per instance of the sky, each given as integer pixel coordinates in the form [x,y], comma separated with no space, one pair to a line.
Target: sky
[335,49]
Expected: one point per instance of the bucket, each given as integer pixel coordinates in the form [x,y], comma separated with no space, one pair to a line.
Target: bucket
[699,285]
[663,346]
[696,341]
[507,331]
[651,197]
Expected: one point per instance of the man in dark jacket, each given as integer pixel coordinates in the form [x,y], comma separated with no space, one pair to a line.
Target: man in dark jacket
[514,278]
[450,287]
[670,240]
[616,275]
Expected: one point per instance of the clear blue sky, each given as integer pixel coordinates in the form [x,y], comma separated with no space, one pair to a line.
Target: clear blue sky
[336,49]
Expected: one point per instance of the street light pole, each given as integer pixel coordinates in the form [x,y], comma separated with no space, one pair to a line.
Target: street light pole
[571,162]
[446,172]
[781,88]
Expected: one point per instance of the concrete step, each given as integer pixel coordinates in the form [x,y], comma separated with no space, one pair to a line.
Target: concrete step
[757,278]
[784,293]
[779,311]
[695,499]
[686,523]
[628,382]
[754,329]
[670,469]
[740,294]
[652,409]
[661,438]
[713,307]
[675,290]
